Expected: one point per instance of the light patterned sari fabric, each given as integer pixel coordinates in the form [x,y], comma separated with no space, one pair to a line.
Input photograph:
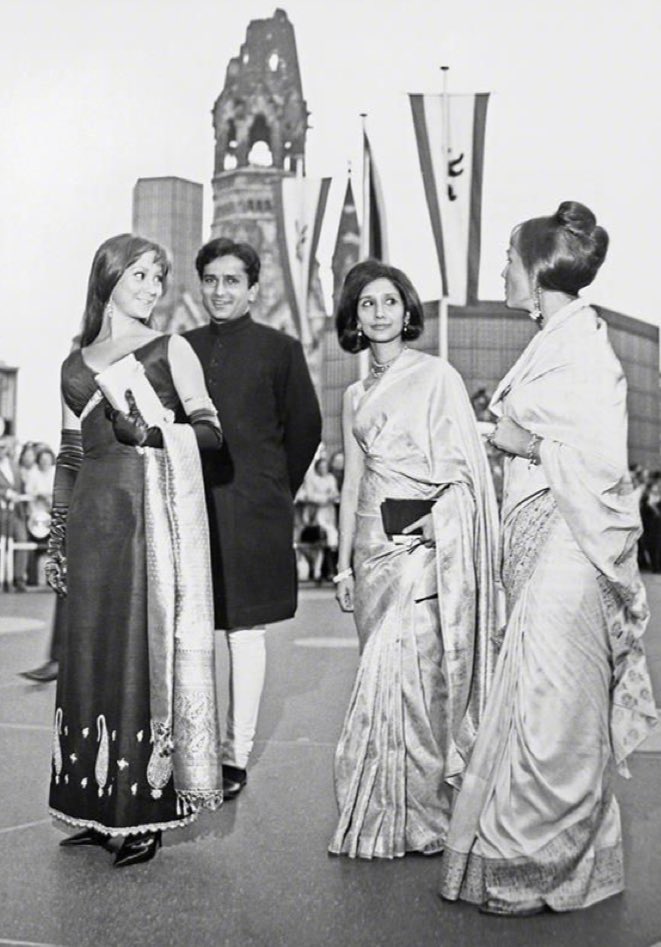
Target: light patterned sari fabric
[426,618]
[180,624]
[536,819]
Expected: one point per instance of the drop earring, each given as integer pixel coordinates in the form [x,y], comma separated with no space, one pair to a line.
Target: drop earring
[110,309]
[405,325]
[536,313]
[359,333]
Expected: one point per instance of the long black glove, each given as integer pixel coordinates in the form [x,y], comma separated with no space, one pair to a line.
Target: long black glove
[68,462]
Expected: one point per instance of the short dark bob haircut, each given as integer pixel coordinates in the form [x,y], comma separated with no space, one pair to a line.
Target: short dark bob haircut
[113,257]
[563,252]
[223,246]
[346,318]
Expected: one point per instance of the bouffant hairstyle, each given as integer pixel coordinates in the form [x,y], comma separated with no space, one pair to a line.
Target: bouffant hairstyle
[223,246]
[346,318]
[113,257]
[562,252]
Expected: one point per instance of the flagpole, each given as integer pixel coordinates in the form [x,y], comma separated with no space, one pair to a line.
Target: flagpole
[443,299]
[302,275]
[363,358]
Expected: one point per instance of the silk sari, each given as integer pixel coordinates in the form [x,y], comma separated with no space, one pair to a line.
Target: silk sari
[536,818]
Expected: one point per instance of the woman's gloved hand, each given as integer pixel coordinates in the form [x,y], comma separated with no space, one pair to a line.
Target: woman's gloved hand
[131,428]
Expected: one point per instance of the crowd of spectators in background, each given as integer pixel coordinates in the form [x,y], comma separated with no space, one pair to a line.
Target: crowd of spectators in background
[26,497]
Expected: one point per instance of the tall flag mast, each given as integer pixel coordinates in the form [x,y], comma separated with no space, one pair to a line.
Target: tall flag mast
[347,243]
[374,242]
[450,132]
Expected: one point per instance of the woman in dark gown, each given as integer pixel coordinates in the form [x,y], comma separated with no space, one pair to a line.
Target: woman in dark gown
[114,746]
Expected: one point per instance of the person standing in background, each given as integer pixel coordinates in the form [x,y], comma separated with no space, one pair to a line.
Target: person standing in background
[12,509]
[259,382]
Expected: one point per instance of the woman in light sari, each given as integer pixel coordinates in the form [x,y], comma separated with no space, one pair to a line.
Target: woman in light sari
[425,607]
[135,741]
[536,824]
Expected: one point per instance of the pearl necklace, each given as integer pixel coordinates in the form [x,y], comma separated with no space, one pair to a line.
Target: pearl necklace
[377,369]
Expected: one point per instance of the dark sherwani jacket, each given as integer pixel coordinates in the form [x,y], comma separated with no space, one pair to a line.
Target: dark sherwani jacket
[259,381]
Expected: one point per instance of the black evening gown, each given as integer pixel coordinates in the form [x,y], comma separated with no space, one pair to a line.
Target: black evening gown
[102,739]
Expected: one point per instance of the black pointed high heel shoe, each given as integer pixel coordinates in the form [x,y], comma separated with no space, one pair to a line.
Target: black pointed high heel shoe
[138,848]
[86,837]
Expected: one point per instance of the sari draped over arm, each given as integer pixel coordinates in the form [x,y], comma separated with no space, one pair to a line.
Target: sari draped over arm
[570,389]
[470,597]
[180,623]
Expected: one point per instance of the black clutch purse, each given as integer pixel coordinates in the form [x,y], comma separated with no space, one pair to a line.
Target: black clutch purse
[396,514]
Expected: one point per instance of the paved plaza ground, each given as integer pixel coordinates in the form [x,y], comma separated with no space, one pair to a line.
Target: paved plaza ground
[257,872]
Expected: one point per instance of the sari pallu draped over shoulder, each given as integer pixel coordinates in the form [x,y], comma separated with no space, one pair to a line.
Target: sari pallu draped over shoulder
[569,388]
[184,717]
[470,595]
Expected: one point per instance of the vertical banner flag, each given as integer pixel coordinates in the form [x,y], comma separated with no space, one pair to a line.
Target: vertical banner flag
[449,131]
[301,204]
[374,240]
[347,244]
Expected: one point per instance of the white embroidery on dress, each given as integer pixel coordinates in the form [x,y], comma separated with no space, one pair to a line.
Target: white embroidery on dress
[57,747]
[103,755]
[122,764]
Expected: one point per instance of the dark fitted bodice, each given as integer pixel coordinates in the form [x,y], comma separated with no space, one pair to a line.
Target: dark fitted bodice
[79,385]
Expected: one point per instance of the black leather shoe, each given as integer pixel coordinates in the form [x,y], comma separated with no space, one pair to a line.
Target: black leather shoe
[86,837]
[43,674]
[138,848]
[234,779]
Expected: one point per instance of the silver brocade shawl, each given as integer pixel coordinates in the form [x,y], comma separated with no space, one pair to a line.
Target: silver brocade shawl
[183,703]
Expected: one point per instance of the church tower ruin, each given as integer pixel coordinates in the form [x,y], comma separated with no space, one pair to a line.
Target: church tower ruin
[260,121]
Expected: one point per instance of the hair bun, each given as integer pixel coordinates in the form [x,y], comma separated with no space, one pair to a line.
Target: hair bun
[576,218]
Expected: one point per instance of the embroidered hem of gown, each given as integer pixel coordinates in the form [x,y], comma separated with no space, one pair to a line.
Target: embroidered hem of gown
[127,830]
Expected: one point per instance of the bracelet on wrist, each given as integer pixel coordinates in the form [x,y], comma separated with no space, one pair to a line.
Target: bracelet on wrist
[532,454]
[341,576]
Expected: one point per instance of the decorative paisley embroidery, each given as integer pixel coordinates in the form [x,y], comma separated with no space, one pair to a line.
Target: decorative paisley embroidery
[523,538]
[159,769]
[102,756]
[57,746]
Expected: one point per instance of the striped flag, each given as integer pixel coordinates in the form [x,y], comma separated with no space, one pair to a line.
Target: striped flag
[449,131]
[347,243]
[374,240]
[300,207]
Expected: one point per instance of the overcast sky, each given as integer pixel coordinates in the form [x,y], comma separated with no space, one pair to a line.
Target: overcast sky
[95,94]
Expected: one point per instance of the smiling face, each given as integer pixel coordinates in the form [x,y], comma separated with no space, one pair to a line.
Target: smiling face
[381,311]
[225,291]
[139,288]
[518,287]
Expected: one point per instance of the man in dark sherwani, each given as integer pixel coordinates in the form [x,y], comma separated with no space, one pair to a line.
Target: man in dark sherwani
[259,382]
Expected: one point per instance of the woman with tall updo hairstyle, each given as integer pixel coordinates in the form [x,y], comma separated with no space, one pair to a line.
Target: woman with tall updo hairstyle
[423,590]
[536,825]
[135,740]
